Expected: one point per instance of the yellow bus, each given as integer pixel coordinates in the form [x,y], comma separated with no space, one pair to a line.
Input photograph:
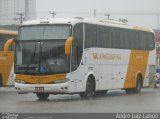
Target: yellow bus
[86,56]
[6,61]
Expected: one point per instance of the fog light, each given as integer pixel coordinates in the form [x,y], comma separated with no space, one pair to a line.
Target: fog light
[20,81]
[61,81]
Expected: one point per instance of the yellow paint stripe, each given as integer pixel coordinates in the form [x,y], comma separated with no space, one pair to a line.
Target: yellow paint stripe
[137,64]
[43,79]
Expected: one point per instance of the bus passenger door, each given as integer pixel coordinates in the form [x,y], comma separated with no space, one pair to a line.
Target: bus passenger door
[77,70]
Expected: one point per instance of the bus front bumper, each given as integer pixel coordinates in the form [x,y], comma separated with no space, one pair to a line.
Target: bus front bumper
[42,88]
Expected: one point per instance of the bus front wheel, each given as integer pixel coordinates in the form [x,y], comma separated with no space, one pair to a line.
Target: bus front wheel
[90,88]
[100,93]
[42,96]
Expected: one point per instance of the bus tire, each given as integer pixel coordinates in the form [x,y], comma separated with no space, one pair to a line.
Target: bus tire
[42,96]
[90,88]
[1,81]
[129,90]
[138,87]
[100,93]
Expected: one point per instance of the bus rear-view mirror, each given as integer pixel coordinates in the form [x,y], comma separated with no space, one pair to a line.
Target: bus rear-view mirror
[8,43]
[68,45]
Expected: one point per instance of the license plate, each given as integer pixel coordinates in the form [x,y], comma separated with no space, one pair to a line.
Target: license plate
[39,88]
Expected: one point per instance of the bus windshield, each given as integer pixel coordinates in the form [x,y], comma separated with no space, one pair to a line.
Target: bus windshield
[42,54]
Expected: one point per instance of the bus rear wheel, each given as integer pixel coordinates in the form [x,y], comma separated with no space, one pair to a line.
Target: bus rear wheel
[42,96]
[1,82]
[100,93]
[129,90]
[138,87]
[89,89]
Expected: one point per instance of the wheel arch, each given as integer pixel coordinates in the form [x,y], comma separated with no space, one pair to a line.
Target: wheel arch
[91,74]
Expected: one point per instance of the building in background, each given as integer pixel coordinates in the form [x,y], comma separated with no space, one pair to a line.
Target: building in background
[16,11]
[157,36]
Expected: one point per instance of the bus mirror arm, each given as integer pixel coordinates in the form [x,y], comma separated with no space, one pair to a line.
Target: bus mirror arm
[68,45]
[8,43]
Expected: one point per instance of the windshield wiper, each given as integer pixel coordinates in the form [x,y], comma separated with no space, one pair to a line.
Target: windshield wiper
[40,55]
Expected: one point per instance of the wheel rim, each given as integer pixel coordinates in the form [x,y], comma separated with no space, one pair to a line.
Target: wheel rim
[1,83]
[139,84]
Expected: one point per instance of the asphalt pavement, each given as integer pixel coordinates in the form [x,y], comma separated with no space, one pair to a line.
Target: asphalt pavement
[115,101]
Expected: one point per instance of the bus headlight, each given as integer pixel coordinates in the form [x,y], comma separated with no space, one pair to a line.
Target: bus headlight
[61,81]
[20,81]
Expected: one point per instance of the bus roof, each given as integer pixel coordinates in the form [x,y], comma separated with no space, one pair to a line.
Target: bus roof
[8,32]
[97,21]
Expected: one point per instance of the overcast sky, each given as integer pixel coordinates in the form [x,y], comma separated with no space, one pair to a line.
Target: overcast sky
[140,12]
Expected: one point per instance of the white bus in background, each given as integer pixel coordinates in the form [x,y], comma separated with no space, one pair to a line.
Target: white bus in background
[82,55]
[7,75]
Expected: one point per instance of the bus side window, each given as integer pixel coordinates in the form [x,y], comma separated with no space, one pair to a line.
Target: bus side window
[12,47]
[150,41]
[132,38]
[124,39]
[142,41]
[90,35]
[103,40]
[77,45]
[115,34]
[2,42]
[1,45]
[4,38]
[136,41]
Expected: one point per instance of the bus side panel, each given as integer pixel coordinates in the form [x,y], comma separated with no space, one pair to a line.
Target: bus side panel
[137,64]
[110,66]
[119,73]
[6,64]
[77,78]
[11,77]
[105,77]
